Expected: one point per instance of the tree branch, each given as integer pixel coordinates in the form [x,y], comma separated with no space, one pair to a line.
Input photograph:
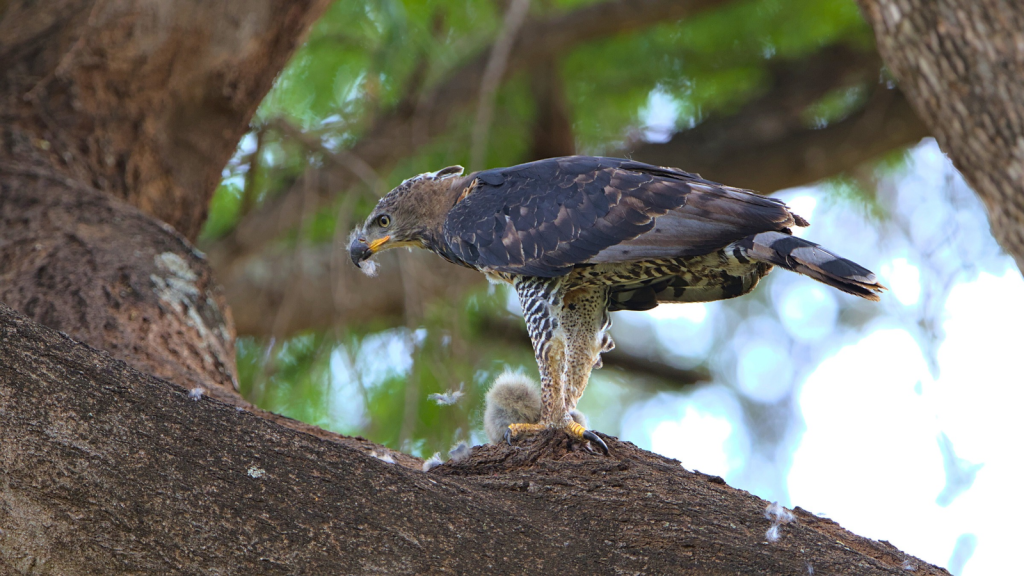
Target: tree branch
[493,74]
[552,125]
[341,160]
[886,123]
[768,146]
[106,470]
[306,282]
[400,132]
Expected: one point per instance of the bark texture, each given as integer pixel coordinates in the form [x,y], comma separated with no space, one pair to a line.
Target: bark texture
[80,261]
[116,119]
[104,470]
[142,99]
[961,64]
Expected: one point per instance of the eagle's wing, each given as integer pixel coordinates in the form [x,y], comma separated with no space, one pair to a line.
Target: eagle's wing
[542,218]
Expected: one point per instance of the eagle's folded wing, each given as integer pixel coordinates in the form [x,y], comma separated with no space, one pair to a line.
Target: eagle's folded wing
[543,218]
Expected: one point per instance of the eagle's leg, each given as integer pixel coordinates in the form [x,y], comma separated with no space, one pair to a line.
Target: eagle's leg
[549,356]
[541,300]
[584,322]
[566,325]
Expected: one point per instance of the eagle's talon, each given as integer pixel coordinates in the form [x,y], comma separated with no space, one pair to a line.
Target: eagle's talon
[589,435]
[581,434]
[508,436]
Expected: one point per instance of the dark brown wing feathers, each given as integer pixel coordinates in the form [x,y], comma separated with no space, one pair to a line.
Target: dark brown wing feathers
[543,218]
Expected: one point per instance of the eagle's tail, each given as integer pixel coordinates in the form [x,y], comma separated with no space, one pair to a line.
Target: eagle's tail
[808,258]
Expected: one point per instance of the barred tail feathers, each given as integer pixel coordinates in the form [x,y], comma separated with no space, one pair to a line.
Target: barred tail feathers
[812,260]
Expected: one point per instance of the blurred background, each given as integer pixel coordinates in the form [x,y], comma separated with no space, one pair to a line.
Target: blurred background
[896,419]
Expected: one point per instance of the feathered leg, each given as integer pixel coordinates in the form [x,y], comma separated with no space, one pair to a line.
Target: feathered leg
[585,338]
[538,297]
[564,357]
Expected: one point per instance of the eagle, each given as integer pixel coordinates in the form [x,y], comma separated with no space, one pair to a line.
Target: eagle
[579,237]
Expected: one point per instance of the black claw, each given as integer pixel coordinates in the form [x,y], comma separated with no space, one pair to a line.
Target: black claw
[508,436]
[587,434]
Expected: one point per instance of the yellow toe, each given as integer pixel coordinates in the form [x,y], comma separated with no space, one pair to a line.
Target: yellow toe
[517,430]
[575,430]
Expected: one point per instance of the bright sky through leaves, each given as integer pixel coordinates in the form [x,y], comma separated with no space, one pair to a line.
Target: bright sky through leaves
[869,454]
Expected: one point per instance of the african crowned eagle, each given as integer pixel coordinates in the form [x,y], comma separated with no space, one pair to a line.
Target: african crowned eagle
[579,237]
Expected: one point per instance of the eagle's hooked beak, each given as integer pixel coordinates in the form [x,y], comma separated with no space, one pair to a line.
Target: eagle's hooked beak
[360,250]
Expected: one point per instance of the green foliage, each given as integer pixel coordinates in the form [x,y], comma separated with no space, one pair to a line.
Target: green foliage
[290,377]
[745,31]
[710,63]
[361,59]
[855,194]
[224,210]
[360,56]
[835,106]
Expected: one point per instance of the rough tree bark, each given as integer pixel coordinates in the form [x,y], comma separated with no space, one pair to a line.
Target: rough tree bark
[117,116]
[961,64]
[104,470]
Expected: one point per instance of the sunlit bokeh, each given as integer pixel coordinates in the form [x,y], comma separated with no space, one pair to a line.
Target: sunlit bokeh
[906,426]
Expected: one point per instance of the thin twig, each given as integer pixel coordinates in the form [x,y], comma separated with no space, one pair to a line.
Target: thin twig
[340,287]
[340,158]
[284,312]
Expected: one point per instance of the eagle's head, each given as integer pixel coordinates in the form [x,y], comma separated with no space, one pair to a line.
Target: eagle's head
[407,216]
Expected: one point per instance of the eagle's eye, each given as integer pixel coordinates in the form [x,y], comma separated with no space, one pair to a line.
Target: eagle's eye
[384,220]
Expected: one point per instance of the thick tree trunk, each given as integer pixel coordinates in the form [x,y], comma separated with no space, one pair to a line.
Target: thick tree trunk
[83,262]
[961,64]
[104,470]
[142,99]
[117,119]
